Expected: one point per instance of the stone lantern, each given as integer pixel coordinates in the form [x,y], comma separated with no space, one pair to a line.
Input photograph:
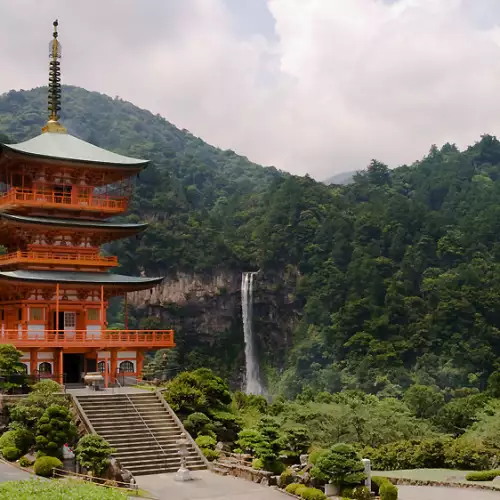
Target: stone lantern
[183,474]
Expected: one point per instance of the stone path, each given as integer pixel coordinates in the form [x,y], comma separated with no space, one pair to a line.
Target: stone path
[439,493]
[11,473]
[207,486]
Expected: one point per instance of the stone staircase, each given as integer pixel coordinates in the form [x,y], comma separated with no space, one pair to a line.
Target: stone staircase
[129,422]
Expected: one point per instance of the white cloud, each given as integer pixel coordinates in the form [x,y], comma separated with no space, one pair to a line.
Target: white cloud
[341,81]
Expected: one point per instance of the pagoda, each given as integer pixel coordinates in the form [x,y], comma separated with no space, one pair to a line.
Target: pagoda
[57,194]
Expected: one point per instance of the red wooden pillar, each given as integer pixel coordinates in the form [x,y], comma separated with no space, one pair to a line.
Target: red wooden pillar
[140,362]
[126,311]
[114,364]
[60,366]
[33,361]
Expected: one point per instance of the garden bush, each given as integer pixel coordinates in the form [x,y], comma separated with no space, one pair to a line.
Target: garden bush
[388,491]
[44,466]
[19,438]
[312,494]
[54,429]
[383,487]
[93,452]
[206,441]
[357,493]
[257,464]
[340,465]
[198,423]
[25,462]
[292,488]
[11,453]
[485,475]
[468,454]
[287,477]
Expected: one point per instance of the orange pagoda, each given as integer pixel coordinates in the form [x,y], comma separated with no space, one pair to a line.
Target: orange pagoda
[57,193]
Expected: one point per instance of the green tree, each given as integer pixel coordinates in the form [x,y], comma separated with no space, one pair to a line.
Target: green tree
[12,371]
[93,452]
[423,400]
[340,465]
[54,429]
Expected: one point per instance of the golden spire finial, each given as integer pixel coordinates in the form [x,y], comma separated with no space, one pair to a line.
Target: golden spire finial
[53,124]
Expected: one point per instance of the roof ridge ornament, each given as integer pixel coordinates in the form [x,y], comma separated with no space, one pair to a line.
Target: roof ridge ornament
[54,107]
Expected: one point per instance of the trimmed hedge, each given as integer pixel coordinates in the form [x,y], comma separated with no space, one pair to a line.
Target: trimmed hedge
[304,492]
[485,475]
[357,493]
[45,465]
[11,453]
[383,487]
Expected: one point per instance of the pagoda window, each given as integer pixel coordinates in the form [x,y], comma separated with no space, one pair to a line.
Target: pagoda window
[69,320]
[36,314]
[101,366]
[93,314]
[45,368]
[127,367]
[19,314]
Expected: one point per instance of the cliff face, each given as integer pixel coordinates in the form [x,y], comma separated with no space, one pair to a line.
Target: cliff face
[205,312]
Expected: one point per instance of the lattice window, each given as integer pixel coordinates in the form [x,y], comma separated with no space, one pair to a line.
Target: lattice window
[36,314]
[69,320]
[127,367]
[101,366]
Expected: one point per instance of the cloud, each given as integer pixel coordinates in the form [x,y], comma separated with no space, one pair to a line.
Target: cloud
[338,83]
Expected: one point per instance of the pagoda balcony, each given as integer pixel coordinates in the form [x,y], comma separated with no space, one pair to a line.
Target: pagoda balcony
[18,199]
[148,339]
[74,259]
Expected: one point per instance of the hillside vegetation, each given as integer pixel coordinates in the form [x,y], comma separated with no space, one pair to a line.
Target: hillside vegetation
[396,277]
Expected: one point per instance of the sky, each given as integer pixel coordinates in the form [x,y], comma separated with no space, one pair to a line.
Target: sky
[309,86]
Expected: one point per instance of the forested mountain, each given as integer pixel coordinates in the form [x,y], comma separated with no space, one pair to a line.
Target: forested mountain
[391,280]
[341,178]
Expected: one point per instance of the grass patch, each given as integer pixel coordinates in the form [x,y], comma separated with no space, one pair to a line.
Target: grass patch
[57,490]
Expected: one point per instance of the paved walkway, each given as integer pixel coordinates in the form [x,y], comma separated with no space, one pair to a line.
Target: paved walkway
[439,493]
[11,473]
[207,486]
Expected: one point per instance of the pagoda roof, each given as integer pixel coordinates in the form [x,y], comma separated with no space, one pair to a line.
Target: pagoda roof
[83,223]
[81,278]
[66,147]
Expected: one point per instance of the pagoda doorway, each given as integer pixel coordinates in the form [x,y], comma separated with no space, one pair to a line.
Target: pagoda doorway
[73,368]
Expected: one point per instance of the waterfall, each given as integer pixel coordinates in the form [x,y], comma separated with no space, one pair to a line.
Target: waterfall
[253,385]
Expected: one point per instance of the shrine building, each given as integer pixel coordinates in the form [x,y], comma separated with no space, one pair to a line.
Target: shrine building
[57,194]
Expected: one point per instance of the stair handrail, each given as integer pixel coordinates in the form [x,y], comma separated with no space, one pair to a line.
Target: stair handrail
[144,422]
[83,415]
[179,423]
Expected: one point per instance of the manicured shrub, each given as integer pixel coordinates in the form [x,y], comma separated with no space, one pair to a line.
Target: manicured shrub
[300,490]
[257,464]
[93,452]
[25,462]
[11,453]
[287,477]
[357,493]
[292,488]
[388,491]
[206,441]
[209,454]
[198,423]
[19,438]
[312,494]
[54,429]
[383,487]
[44,466]
[314,456]
[340,465]
[485,475]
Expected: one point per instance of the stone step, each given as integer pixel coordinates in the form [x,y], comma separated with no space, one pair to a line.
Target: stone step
[133,417]
[127,428]
[144,453]
[160,460]
[163,436]
[139,470]
[109,408]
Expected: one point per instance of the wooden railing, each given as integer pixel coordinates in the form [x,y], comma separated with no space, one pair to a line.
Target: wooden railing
[17,197]
[84,338]
[58,258]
